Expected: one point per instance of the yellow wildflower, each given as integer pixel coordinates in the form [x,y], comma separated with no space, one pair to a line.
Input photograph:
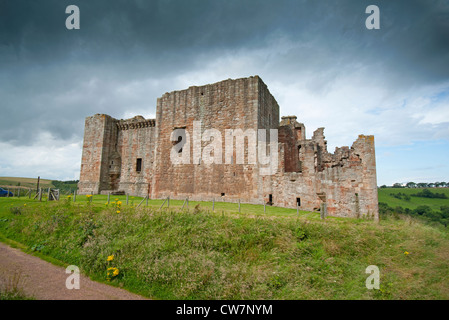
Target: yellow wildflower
[115,273]
[406,253]
[118,211]
[24,204]
[110,258]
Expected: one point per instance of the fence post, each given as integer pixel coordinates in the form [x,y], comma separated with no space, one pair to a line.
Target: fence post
[239,205]
[127,198]
[109,197]
[168,202]
[148,196]
[7,195]
[48,195]
[74,196]
[184,204]
[162,204]
[29,194]
[40,194]
[297,210]
[213,205]
[141,201]
[322,211]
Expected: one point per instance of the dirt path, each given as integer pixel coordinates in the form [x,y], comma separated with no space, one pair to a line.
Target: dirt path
[45,281]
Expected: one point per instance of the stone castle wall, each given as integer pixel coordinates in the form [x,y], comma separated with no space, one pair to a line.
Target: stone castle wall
[133,155]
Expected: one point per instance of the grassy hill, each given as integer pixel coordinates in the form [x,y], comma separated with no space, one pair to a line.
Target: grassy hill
[386,195]
[430,205]
[25,182]
[200,254]
[13,183]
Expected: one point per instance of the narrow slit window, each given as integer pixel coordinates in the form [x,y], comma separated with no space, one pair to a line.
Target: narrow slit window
[298,202]
[139,164]
[179,140]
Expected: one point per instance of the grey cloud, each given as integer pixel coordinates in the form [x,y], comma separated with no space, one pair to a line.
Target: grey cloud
[46,69]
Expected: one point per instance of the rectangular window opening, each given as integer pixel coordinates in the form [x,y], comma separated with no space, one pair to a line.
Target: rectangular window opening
[298,202]
[139,165]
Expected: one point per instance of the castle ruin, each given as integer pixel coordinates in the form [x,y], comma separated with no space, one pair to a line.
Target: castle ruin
[133,156]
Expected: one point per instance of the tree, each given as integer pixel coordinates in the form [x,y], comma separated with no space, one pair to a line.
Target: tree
[422,185]
[411,185]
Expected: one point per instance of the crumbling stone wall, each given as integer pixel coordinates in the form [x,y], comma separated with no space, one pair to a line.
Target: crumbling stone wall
[345,181]
[133,155]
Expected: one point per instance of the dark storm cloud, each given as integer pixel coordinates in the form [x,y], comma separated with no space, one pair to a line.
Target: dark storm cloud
[52,78]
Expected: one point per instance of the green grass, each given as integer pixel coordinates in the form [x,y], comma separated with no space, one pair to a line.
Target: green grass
[174,254]
[385,196]
[207,206]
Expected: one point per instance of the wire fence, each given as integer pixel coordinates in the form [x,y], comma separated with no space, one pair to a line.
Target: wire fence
[220,204]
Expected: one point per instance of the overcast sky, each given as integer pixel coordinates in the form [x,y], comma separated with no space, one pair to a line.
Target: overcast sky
[317,58]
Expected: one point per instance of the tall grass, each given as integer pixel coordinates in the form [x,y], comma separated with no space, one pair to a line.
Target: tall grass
[173,254]
[12,286]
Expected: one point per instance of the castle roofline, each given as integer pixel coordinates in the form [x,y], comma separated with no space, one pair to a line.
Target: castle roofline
[216,83]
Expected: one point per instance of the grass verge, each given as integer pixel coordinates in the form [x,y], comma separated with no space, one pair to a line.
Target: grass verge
[174,254]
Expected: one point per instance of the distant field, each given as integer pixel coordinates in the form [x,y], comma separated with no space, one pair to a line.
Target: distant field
[25,182]
[13,184]
[386,197]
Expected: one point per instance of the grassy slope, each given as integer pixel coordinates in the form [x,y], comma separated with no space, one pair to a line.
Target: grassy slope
[226,255]
[12,183]
[435,204]
[25,182]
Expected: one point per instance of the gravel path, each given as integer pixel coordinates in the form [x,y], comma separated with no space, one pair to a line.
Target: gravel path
[45,281]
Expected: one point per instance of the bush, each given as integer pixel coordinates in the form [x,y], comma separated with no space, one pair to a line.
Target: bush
[426,193]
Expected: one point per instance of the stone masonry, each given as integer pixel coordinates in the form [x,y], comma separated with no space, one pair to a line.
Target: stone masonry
[133,156]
